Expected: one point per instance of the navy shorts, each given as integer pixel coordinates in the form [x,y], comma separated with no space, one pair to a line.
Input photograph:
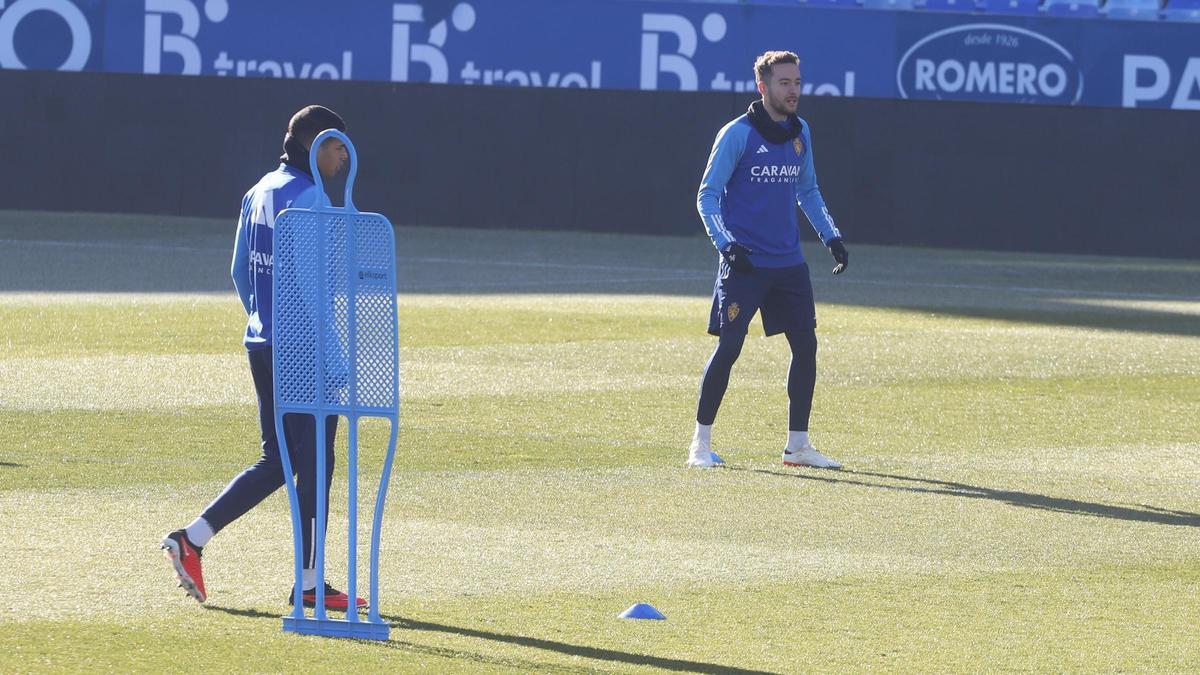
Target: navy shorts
[783,294]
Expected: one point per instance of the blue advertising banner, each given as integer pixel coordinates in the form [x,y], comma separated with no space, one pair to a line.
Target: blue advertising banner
[621,44]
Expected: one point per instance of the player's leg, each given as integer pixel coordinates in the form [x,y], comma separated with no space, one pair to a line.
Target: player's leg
[713,384]
[789,308]
[736,297]
[263,478]
[802,379]
[184,547]
[301,431]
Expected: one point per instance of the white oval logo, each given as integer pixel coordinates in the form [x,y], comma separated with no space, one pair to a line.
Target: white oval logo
[989,62]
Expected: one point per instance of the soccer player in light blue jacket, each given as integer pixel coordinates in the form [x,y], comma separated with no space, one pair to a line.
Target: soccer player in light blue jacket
[761,166]
[289,186]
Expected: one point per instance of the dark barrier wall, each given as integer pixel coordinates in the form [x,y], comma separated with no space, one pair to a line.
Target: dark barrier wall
[1034,178]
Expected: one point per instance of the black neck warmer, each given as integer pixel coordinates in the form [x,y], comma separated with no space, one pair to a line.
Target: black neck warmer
[769,128]
[295,155]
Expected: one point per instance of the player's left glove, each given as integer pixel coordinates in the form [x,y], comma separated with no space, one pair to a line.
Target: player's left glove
[738,258]
[838,249]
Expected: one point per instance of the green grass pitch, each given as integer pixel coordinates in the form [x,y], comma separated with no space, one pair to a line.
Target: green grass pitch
[1021,436]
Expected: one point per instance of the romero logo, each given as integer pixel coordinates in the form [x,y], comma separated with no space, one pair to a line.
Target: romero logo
[990,62]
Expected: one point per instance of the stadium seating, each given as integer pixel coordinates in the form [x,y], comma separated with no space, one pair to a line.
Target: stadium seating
[1079,8]
[888,4]
[1182,10]
[1010,6]
[830,3]
[947,5]
[1137,10]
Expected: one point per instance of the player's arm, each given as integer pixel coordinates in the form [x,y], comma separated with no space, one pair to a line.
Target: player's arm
[726,152]
[808,196]
[240,268]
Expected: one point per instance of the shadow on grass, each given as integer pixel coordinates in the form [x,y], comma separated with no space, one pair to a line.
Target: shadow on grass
[1141,513]
[152,254]
[1056,312]
[566,648]
[247,613]
[515,664]
[611,655]
[12,465]
[166,254]
[251,613]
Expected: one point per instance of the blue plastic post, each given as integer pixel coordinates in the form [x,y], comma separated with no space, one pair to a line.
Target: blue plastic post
[336,352]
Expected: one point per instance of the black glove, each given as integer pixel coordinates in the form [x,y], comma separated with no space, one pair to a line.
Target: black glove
[838,249]
[738,258]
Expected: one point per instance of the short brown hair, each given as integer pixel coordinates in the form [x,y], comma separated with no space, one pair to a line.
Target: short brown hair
[764,63]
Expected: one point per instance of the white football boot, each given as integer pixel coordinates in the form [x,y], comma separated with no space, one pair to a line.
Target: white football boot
[701,456]
[807,455]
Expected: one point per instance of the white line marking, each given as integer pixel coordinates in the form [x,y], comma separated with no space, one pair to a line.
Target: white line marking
[439,260]
[115,245]
[1021,289]
[547,283]
[681,273]
[547,265]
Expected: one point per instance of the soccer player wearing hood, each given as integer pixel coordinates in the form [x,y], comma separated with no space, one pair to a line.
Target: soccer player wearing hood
[288,186]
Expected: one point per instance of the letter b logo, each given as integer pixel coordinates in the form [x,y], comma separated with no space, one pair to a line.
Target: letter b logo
[679,64]
[405,52]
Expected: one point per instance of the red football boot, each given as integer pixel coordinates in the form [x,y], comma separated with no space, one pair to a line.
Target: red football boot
[334,599]
[185,558]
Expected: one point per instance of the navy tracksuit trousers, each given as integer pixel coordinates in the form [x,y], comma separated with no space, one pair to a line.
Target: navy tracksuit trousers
[266,476]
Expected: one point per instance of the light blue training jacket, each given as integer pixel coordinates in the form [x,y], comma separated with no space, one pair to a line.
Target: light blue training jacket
[285,187]
[750,190]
